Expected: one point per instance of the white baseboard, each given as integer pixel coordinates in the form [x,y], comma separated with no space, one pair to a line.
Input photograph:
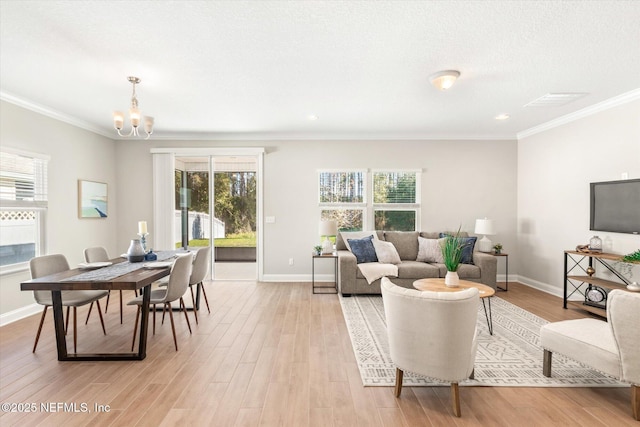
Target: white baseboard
[541,286]
[297,278]
[20,313]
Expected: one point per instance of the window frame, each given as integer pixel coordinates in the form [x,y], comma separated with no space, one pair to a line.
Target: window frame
[367,206]
[39,205]
[415,206]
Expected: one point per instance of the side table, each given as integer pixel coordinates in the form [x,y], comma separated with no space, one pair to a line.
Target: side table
[333,287]
[506,263]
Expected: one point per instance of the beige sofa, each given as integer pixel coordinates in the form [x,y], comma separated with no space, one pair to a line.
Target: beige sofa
[351,281]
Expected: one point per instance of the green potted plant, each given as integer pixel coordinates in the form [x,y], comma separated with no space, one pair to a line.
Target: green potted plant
[317,249]
[498,248]
[452,247]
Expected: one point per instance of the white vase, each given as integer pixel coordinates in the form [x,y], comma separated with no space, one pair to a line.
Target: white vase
[451,279]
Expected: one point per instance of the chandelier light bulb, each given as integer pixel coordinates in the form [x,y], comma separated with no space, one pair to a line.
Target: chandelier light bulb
[118,119]
[134,115]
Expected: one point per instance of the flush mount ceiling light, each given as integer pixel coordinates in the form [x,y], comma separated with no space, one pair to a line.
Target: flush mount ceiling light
[502,117]
[443,80]
[134,115]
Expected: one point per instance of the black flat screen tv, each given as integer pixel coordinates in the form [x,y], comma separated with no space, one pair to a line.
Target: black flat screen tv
[615,206]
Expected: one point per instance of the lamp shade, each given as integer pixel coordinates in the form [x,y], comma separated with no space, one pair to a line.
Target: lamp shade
[328,228]
[485,226]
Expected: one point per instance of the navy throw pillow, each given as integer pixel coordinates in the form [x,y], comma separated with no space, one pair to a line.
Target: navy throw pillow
[467,250]
[363,250]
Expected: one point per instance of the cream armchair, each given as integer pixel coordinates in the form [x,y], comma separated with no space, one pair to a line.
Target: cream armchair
[432,334]
[612,347]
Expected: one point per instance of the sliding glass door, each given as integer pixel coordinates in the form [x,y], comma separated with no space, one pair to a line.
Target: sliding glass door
[216,205]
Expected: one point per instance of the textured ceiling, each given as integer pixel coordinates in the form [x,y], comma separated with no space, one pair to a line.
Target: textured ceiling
[258,69]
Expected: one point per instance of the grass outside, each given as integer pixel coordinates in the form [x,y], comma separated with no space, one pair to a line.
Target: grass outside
[240,240]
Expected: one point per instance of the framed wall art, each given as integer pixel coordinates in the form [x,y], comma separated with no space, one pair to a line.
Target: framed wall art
[92,199]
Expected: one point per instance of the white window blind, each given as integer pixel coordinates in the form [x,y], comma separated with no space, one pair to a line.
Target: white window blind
[342,187]
[394,187]
[23,180]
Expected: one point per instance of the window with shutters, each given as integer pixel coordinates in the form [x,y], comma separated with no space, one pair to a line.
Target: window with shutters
[23,206]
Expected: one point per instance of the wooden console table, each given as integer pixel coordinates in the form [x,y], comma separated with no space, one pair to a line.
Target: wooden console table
[576,276]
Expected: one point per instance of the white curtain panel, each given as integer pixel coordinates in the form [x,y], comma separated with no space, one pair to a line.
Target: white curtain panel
[163,200]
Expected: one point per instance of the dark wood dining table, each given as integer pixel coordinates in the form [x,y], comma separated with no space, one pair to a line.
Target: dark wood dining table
[140,279]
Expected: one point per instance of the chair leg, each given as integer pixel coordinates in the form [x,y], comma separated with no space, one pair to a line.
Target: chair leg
[121,307]
[106,306]
[184,308]
[164,310]
[399,375]
[88,314]
[455,399]
[75,329]
[135,328]
[154,319]
[44,313]
[173,327]
[473,374]
[204,294]
[193,300]
[66,325]
[546,363]
[635,401]
[101,319]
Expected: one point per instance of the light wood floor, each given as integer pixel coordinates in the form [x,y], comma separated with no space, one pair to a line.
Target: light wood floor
[268,354]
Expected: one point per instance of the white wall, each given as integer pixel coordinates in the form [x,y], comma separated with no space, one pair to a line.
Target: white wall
[462,181]
[75,154]
[555,168]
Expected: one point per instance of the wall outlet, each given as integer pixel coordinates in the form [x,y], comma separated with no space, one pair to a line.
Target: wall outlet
[290,261]
[624,175]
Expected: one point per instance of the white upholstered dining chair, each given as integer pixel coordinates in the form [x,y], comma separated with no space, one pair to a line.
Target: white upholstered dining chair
[611,346]
[99,254]
[432,334]
[200,268]
[175,289]
[51,264]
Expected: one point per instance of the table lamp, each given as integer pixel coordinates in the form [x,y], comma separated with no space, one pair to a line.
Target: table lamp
[326,229]
[485,227]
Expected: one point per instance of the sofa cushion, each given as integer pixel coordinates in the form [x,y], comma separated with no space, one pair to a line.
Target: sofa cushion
[363,249]
[417,270]
[430,250]
[406,243]
[430,234]
[386,252]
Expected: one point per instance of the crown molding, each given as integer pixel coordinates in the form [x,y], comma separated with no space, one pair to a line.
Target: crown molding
[580,114]
[257,136]
[54,114]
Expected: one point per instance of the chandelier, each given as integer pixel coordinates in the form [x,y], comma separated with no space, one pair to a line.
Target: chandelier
[134,115]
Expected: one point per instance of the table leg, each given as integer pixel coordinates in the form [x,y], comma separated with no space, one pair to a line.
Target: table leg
[488,315]
[144,322]
[58,321]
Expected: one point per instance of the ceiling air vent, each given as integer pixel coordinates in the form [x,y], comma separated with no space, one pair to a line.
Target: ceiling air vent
[555,99]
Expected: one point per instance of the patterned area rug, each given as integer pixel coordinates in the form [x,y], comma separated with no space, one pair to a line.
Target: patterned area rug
[511,357]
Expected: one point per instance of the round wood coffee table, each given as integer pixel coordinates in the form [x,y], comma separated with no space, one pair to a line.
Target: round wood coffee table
[437,285]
